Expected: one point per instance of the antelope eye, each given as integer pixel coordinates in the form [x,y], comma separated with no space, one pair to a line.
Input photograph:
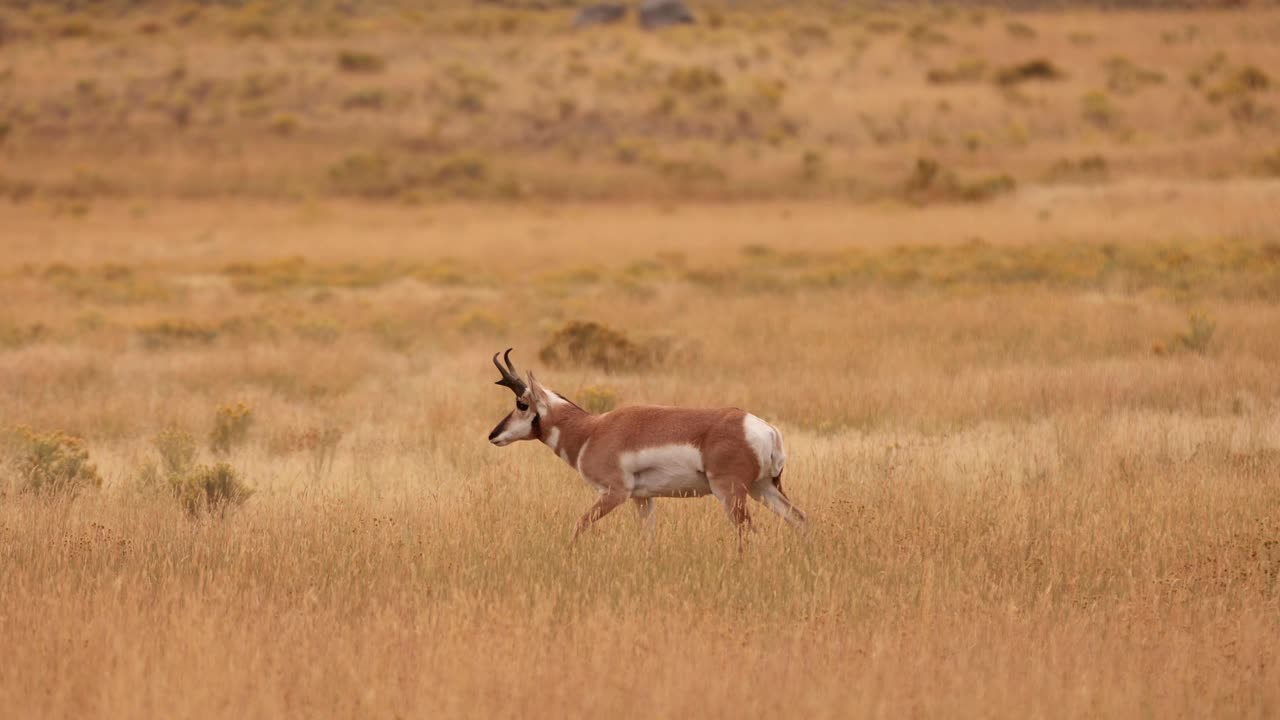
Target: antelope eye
[522,406]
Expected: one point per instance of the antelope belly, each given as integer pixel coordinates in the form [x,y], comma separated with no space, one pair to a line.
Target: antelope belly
[665,471]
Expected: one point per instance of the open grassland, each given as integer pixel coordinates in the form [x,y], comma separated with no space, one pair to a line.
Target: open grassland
[1043,470]
[758,101]
[1008,283]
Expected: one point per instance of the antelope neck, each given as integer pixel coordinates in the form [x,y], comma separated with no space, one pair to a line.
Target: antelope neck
[565,429]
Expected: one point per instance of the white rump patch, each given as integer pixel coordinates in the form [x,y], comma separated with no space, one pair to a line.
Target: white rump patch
[766,444]
[665,471]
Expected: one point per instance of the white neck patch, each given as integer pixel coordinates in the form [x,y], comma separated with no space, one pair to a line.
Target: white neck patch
[553,438]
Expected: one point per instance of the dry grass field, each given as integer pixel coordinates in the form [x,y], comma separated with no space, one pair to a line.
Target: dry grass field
[1021,336]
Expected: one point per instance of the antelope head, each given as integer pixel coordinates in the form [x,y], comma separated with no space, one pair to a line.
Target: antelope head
[521,423]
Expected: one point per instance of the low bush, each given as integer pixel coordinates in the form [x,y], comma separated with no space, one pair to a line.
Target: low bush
[965,71]
[1269,164]
[50,463]
[595,345]
[230,427]
[210,489]
[931,182]
[199,489]
[598,398]
[1038,69]
[165,334]
[356,61]
[1199,334]
[1085,169]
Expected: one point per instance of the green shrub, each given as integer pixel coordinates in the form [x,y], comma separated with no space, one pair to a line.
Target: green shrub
[230,427]
[924,34]
[461,168]
[1199,333]
[695,79]
[199,489]
[1238,93]
[1097,109]
[171,333]
[211,489]
[965,71]
[366,175]
[929,181]
[690,171]
[52,463]
[1085,169]
[1038,69]
[599,398]
[812,165]
[75,27]
[368,99]
[355,61]
[1268,165]
[284,123]
[593,344]
[1020,30]
[14,335]
[251,21]
[1244,80]
[629,151]
[177,449]
[1126,78]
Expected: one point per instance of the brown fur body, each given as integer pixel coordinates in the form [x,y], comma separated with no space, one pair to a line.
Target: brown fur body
[647,451]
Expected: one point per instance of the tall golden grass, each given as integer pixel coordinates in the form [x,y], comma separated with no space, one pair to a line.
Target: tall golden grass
[1036,431]
[1027,497]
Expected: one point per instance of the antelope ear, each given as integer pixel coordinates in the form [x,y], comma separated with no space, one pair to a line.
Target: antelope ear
[538,392]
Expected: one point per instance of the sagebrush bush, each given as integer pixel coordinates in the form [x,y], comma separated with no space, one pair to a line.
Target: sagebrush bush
[199,489]
[593,344]
[51,463]
[356,61]
[13,335]
[367,99]
[1085,169]
[366,175]
[177,450]
[1269,164]
[230,427]
[1199,333]
[965,71]
[172,333]
[598,398]
[210,489]
[1040,69]
[929,181]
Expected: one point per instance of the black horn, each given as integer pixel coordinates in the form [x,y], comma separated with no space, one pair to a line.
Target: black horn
[510,378]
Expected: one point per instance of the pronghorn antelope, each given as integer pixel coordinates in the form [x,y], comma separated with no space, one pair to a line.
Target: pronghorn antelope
[646,452]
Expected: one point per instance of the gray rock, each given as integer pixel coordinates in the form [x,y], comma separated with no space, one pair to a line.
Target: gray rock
[603,14]
[656,14]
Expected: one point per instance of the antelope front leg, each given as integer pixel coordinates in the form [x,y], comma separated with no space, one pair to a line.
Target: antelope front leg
[603,506]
